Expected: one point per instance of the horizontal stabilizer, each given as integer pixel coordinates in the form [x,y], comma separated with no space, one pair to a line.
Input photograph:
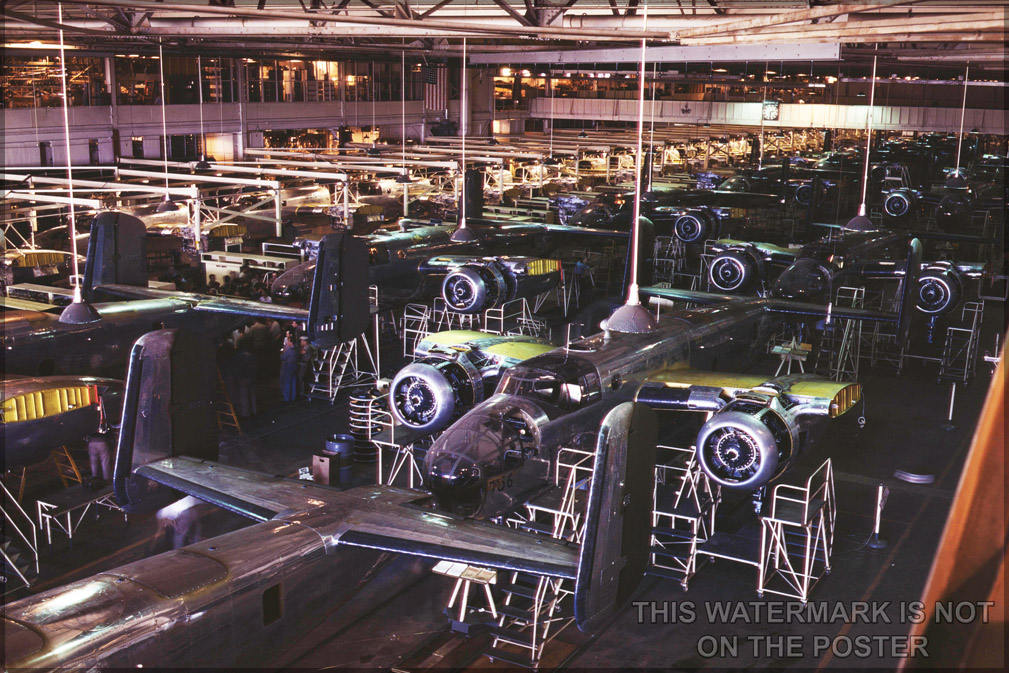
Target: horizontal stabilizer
[255,495]
[376,517]
[211,303]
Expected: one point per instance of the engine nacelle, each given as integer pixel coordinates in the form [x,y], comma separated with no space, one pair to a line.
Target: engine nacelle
[735,270]
[425,395]
[899,203]
[940,287]
[489,283]
[803,194]
[696,225]
[953,209]
[748,443]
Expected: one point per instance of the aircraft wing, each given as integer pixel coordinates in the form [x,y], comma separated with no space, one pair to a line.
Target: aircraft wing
[814,394]
[211,303]
[585,231]
[696,296]
[376,517]
[780,306]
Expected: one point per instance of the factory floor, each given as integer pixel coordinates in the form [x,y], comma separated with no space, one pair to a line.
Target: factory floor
[905,430]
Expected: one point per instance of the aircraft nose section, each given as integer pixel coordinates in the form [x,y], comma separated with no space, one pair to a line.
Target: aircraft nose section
[456,482]
[804,281]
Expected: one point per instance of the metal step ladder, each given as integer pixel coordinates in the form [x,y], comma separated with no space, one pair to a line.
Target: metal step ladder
[19,549]
[416,326]
[536,609]
[797,537]
[444,318]
[841,345]
[340,366]
[959,352]
[685,503]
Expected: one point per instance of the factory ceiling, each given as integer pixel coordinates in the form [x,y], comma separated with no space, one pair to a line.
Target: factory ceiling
[936,30]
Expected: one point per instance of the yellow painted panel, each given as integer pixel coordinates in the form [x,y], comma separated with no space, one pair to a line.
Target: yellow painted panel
[520,350]
[49,402]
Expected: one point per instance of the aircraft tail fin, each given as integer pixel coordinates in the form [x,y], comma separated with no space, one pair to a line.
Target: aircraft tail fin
[615,550]
[168,406]
[338,310]
[908,290]
[117,252]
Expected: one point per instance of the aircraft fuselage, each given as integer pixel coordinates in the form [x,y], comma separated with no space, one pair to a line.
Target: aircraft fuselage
[487,461]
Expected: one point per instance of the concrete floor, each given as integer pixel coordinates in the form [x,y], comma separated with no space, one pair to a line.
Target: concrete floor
[904,416]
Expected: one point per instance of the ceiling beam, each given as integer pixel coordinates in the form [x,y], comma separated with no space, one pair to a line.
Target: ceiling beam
[667,54]
[460,28]
[862,31]
[789,17]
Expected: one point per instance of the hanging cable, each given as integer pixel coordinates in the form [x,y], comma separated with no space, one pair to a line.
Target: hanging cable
[166,203]
[70,173]
[868,138]
[632,288]
[963,113]
[202,164]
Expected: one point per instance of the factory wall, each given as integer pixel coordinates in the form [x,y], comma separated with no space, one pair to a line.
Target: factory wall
[792,115]
[95,127]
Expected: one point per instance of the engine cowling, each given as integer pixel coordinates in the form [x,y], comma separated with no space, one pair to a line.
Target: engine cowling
[735,270]
[940,287]
[898,203]
[490,283]
[472,288]
[803,194]
[747,443]
[695,225]
[425,395]
[953,209]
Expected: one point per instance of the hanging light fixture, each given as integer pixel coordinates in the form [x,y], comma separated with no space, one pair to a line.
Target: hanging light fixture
[957,181]
[861,222]
[632,316]
[79,311]
[463,234]
[166,205]
[404,177]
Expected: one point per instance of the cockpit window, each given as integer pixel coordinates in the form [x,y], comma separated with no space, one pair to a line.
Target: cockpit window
[565,386]
[734,184]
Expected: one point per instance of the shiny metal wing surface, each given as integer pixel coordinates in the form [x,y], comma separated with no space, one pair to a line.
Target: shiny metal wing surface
[697,296]
[211,303]
[255,495]
[376,517]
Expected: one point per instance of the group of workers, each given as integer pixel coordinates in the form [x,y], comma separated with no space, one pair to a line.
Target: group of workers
[263,350]
[247,283]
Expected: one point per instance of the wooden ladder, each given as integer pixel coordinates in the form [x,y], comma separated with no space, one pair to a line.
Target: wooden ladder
[225,410]
[59,461]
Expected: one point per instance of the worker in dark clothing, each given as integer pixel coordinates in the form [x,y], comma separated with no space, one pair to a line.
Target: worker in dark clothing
[245,379]
[306,355]
[289,370]
[262,347]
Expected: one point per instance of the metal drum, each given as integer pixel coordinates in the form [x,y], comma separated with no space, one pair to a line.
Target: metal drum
[342,446]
